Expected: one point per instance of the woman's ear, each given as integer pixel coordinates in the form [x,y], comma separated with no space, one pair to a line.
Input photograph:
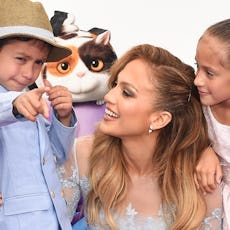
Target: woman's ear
[160,119]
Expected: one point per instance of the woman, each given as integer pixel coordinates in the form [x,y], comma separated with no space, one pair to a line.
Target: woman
[137,171]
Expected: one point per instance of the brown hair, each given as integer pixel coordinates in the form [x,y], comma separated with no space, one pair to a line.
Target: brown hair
[221,31]
[179,145]
[8,40]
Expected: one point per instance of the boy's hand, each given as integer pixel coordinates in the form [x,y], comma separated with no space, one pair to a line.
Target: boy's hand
[61,101]
[208,171]
[31,103]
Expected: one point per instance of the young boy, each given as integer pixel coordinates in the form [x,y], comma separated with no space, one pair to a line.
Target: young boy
[30,144]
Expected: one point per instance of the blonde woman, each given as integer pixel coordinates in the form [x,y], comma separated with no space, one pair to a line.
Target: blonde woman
[137,170]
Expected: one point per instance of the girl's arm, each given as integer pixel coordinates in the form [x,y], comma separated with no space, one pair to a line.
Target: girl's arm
[208,171]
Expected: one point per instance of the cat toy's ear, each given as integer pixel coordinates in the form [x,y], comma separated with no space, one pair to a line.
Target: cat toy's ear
[103,36]
[96,30]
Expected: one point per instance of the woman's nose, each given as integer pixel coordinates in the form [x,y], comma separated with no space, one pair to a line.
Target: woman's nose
[110,96]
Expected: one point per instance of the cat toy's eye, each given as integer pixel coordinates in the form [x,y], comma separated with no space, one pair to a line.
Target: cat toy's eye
[96,65]
[63,67]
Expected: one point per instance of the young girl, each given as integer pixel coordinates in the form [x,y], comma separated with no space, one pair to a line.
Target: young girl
[213,83]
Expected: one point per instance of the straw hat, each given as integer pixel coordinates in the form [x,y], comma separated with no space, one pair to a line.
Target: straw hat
[29,19]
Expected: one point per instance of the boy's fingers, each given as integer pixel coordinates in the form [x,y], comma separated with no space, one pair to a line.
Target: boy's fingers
[40,91]
[25,108]
[47,83]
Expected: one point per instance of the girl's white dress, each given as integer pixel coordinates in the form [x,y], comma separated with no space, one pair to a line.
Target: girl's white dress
[220,137]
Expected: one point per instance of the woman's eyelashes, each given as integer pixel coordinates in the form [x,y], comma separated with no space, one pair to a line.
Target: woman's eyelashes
[127,93]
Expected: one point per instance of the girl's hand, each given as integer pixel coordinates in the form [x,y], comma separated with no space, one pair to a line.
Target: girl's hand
[208,171]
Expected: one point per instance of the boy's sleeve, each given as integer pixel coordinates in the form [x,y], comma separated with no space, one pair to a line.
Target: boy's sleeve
[62,137]
[6,107]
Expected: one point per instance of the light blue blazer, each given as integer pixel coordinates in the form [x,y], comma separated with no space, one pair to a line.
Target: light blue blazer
[29,153]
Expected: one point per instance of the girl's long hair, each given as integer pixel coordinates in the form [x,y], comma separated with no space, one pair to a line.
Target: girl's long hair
[178,146]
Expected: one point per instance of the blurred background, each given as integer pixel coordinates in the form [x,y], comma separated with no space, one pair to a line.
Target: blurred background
[172,24]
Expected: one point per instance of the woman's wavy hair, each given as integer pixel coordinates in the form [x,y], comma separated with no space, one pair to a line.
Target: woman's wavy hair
[179,145]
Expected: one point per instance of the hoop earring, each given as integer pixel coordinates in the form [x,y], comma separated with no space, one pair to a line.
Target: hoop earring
[151,129]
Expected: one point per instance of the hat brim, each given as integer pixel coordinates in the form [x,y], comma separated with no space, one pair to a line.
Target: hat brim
[57,52]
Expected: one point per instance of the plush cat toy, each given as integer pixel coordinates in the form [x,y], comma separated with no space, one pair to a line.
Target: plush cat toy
[85,72]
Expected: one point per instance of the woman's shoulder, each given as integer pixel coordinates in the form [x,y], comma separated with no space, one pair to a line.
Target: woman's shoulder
[83,146]
[83,149]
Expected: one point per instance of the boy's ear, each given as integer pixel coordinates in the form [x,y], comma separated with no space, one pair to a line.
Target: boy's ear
[160,119]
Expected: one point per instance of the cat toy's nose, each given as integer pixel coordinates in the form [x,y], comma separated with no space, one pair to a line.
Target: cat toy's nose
[80,74]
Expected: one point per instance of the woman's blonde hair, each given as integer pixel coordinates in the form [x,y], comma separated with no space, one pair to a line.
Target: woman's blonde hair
[179,145]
